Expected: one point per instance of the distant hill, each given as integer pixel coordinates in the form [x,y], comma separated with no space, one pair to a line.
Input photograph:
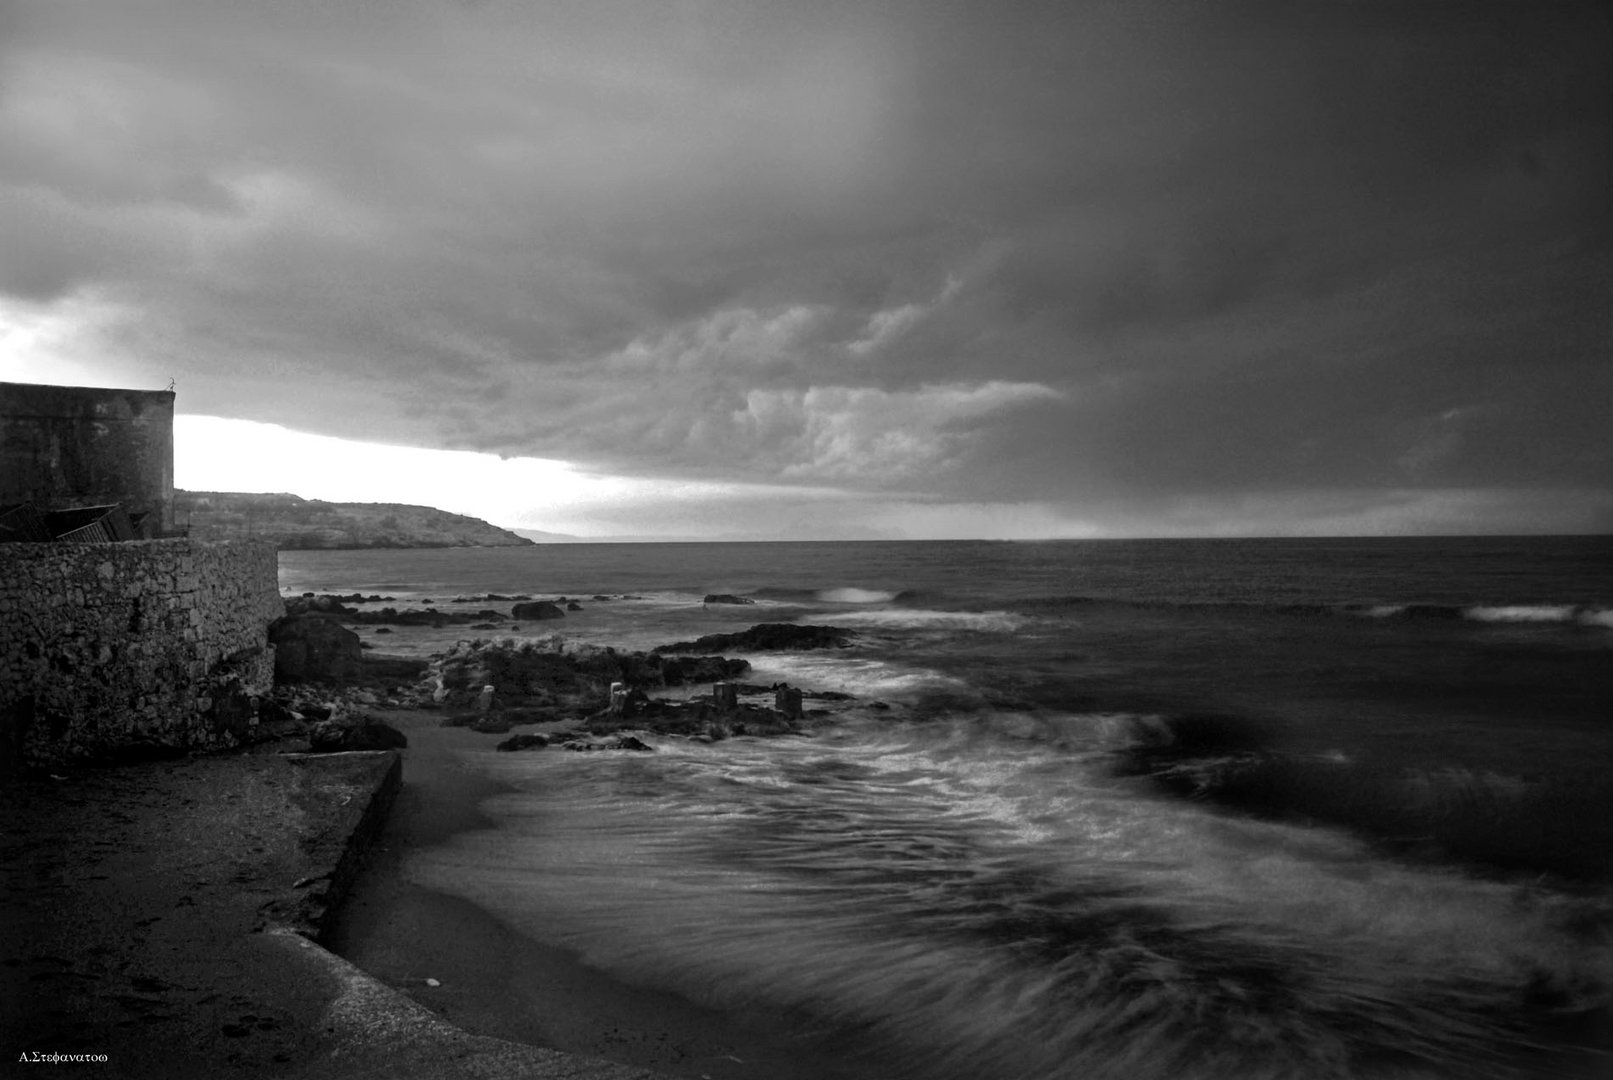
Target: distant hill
[295,523]
[542,537]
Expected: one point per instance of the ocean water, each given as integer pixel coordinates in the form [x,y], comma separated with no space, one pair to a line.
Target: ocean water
[1151,809]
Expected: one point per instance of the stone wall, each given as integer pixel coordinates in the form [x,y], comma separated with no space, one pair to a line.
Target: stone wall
[108,649]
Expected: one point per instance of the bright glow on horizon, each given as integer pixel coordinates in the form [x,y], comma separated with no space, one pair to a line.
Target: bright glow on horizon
[213,453]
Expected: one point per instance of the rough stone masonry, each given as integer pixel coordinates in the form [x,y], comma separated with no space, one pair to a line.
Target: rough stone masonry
[107,649]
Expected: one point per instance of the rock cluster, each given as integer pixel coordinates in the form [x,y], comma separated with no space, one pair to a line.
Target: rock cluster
[573,680]
[337,608]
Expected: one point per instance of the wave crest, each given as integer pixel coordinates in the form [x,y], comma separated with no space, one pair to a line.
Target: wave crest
[1001,622]
[848,595]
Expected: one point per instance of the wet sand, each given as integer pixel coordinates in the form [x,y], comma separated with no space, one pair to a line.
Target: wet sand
[493,980]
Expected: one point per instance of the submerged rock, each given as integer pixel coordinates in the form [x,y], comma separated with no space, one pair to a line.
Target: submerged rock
[765,636]
[524,742]
[726,598]
[537,609]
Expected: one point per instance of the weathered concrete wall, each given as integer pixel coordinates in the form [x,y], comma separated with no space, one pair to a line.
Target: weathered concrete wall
[106,647]
[64,446]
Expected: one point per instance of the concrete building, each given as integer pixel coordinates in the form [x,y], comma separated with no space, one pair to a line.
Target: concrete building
[66,447]
[155,642]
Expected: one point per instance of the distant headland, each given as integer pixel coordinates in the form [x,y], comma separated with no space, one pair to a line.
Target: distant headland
[293,523]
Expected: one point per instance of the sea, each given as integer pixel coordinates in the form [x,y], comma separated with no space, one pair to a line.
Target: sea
[1154,810]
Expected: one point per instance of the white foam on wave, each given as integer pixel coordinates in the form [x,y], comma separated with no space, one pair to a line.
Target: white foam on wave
[861,677]
[855,596]
[1526,613]
[1597,617]
[1001,622]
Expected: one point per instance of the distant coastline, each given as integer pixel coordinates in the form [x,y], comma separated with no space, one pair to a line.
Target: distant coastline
[293,523]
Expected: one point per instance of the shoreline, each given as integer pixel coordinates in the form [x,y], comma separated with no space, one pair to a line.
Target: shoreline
[495,981]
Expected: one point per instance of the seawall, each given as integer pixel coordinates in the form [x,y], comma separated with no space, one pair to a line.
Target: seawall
[148,645]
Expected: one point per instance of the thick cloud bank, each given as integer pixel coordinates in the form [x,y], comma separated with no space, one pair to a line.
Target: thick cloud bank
[1146,267]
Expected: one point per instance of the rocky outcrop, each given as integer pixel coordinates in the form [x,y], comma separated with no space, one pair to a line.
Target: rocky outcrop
[314,648]
[429,617]
[318,604]
[572,680]
[530,741]
[615,742]
[726,598]
[537,609]
[699,717]
[765,637]
[338,608]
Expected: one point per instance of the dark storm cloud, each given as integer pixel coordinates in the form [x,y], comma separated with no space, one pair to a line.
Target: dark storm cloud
[1117,256]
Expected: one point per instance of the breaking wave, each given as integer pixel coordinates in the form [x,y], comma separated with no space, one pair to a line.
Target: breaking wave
[855,596]
[1561,614]
[1002,622]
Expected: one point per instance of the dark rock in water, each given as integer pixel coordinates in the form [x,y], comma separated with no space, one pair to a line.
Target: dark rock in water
[726,598]
[570,678]
[329,736]
[573,606]
[430,617]
[523,742]
[538,609]
[698,717]
[490,725]
[620,742]
[688,670]
[311,648]
[767,636]
[325,604]
[383,629]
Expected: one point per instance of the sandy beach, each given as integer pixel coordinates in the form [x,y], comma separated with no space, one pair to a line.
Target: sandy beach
[492,980]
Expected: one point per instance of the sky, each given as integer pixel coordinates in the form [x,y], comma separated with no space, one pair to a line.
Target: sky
[764,269]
